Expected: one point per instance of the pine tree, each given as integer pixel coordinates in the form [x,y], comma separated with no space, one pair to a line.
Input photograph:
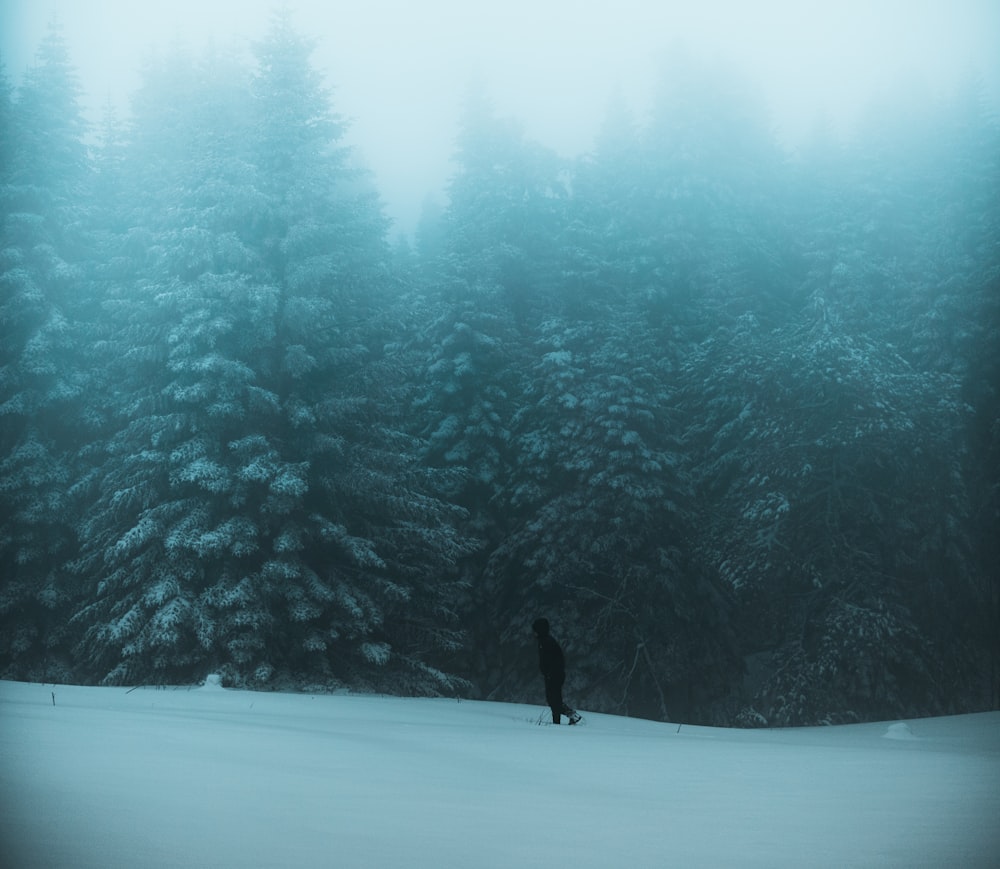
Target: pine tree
[261,509]
[830,485]
[602,506]
[506,206]
[42,249]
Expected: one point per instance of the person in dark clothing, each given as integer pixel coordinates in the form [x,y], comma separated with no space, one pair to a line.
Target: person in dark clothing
[553,666]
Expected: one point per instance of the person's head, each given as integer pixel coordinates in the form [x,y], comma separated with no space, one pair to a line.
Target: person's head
[541,627]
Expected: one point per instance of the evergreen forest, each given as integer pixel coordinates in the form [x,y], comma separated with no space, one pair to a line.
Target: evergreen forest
[726,413]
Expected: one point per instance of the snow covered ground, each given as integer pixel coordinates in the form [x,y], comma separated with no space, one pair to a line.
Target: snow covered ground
[207,777]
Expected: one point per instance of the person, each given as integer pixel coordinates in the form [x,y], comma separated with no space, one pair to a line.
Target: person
[552,663]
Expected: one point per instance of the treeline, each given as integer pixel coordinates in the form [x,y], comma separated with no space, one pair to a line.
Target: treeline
[728,416]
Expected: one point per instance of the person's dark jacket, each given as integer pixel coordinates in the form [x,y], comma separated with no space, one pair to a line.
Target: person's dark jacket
[550,654]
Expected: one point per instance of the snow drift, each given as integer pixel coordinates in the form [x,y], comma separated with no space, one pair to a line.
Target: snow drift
[207,777]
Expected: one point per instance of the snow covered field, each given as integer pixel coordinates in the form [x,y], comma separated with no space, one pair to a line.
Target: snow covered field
[213,778]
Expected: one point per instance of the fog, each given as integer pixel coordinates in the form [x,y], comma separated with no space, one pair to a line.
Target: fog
[722,407]
[398,69]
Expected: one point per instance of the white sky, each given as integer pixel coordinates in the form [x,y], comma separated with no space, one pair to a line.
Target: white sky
[149,779]
[399,67]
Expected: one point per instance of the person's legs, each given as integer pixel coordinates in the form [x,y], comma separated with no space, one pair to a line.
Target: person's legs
[553,696]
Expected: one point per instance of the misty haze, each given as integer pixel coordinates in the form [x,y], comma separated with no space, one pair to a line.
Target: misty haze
[337,348]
